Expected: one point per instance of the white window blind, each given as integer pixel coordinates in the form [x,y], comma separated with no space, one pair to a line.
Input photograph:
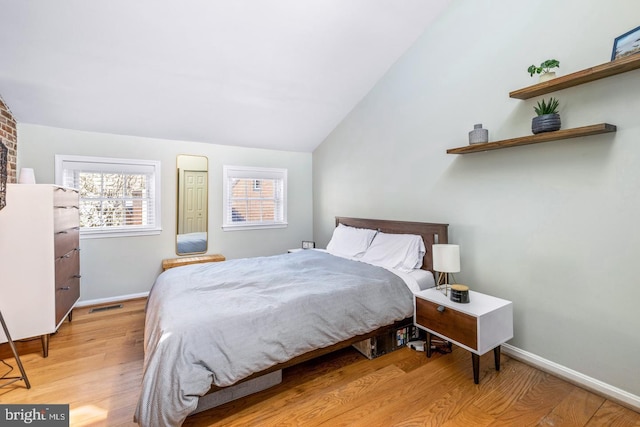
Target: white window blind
[254,198]
[118,197]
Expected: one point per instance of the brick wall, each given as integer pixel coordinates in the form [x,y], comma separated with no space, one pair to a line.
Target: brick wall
[9,137]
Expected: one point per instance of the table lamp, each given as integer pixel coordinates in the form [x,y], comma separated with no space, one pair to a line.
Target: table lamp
[446,261]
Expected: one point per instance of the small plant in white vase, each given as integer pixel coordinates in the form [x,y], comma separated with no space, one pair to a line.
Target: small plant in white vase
[545,69]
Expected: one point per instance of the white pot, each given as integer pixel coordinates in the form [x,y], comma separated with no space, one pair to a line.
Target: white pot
[547,76]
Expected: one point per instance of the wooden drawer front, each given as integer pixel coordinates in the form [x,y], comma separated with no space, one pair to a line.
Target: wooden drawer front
[65,217]
[449,323]
[66,296]
[65,241]
[67,267]
[64,197]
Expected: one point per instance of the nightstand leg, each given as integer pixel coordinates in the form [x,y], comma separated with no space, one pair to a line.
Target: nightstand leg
[496,357]
[475,359]
[428,345]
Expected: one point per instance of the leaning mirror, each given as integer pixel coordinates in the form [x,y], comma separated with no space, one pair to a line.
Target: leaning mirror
[192,215]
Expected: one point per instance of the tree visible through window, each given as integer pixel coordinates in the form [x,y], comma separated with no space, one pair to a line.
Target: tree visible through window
[116,195]
[113,200]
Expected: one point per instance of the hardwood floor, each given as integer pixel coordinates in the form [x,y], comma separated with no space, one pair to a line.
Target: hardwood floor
[95,365]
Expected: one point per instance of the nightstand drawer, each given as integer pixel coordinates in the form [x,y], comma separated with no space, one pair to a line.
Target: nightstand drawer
[450,323]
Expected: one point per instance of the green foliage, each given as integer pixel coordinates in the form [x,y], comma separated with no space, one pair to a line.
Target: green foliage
[545,67]
[547,108]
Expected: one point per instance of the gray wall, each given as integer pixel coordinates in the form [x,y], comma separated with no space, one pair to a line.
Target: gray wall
[114,267]
[552,227]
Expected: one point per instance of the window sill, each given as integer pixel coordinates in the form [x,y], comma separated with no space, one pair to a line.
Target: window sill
[235,227]
[84,234]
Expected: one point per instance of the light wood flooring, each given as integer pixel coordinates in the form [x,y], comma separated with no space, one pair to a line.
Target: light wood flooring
[95,365]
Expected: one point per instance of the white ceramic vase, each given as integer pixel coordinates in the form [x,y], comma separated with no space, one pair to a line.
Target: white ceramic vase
[547,76]
[478,135]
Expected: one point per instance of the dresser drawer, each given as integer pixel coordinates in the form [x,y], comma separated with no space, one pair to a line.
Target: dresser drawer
[65,217]
[65,197]
[65,241]
[66,295]
[449,323]
[67,267]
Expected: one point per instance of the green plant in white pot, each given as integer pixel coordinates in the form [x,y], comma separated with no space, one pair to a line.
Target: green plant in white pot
[545,69]
[547,119]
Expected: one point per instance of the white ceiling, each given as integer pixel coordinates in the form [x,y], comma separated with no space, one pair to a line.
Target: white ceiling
[277,74]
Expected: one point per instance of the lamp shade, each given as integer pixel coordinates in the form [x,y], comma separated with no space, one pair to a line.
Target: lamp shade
[446,258]
[27,176]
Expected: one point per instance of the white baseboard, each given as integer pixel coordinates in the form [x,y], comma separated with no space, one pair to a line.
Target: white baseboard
[111,299]
[608,391]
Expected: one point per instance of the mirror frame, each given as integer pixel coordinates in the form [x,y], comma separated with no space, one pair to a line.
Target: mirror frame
[180,198]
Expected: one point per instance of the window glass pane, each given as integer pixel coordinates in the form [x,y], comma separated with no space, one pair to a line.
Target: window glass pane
[90,184]
[255,211]
[236,214]
[269,210]
[267,187]
[254,196]
[113,185]
[89,214]
[135,186]
[112,212]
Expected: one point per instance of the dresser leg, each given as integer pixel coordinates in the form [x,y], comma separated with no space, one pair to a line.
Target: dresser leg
[496,357]
[70,316]
[475,359]
[45,345]
[428,345]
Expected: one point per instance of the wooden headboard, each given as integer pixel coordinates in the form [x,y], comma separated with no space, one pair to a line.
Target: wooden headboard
[431,233]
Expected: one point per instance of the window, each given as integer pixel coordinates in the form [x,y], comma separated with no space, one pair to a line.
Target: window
[118,197]
[254,198]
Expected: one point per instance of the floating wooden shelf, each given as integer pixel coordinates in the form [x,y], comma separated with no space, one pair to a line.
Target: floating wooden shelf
[536,139]
[608,69]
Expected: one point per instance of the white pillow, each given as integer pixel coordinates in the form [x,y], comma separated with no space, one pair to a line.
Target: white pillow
[423,277]
[350,242]
[402,252]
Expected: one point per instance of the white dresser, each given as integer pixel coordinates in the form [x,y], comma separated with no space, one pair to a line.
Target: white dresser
[39,259]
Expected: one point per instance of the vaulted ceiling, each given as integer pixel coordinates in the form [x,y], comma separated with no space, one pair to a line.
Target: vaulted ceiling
[277,74]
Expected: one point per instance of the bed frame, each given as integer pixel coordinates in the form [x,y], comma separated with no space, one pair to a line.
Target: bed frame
[431,233]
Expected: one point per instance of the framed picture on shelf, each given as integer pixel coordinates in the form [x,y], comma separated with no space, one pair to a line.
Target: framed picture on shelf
[626,44]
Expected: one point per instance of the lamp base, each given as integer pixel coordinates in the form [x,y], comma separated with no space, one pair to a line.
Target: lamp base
[443,283]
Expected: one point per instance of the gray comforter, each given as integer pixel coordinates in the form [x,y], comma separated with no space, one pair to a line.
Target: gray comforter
[218,323]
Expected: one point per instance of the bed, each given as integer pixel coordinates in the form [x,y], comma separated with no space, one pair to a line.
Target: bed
[209,326]
[191,243]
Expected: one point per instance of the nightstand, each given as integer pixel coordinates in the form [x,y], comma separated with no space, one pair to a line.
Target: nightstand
[290,251]
[481,325]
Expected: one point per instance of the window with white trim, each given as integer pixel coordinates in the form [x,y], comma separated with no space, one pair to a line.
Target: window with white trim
[254,198]
[118,197]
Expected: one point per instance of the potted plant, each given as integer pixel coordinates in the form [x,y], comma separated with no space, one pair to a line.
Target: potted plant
[545,69]
[547,119]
